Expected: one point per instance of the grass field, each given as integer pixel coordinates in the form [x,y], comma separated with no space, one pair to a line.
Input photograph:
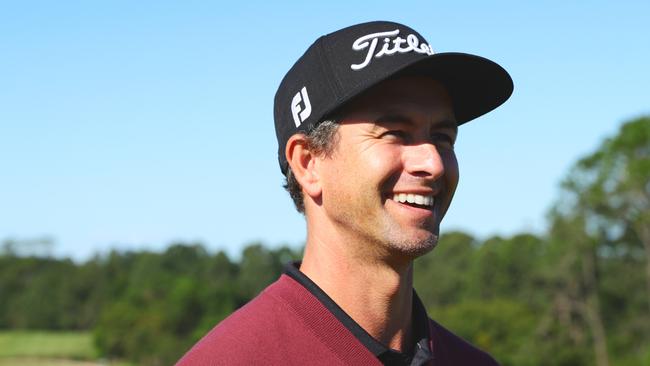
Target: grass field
[47,348]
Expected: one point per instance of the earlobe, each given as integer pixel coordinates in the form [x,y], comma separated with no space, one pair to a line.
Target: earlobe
[304,165]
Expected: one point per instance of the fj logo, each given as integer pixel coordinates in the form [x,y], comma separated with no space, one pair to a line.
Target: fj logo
[299,113]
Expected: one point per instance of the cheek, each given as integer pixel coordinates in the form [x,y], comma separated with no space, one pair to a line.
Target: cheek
[383,166]
[363,171]
[450,179]
[451,170]
[341,178]
[384,157]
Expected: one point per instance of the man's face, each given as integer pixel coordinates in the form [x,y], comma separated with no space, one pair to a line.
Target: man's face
[393,173]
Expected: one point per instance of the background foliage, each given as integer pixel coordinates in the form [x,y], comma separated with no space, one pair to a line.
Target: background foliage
[577,295]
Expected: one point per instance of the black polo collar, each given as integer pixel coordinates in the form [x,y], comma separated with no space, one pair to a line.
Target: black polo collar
[420,353]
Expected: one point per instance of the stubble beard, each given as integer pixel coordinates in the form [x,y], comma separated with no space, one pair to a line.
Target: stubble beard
[385,233]
[392,239]
[396,239]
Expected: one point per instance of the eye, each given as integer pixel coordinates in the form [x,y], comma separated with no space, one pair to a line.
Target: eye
[443,140]
[395,134]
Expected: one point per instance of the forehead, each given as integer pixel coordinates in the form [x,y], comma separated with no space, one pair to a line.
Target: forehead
[417,96]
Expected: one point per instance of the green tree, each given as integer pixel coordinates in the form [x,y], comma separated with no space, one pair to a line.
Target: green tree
[602,221]
[155,312]
[572,277]
[508,268]
[218,292]
[258,268]
[442,277]
[611,189]
[505,328]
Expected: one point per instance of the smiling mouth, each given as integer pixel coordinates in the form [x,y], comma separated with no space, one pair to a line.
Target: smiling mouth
[415,200]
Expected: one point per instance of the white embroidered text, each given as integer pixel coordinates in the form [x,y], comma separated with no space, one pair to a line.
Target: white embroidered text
[390,47]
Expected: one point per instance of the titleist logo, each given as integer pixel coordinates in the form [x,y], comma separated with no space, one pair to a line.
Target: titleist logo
[369,42]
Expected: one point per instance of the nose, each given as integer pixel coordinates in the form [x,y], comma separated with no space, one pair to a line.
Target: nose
[423,160]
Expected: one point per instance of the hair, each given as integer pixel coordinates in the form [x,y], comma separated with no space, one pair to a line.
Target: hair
[322,142]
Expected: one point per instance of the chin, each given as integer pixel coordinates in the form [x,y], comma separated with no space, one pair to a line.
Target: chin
[414,247]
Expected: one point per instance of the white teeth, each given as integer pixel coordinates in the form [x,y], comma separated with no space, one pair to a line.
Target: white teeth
[419,199]
[414,198]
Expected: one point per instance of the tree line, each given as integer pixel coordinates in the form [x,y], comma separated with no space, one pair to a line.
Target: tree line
[578,294]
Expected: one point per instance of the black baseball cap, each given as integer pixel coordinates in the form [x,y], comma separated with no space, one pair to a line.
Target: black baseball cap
[341,65]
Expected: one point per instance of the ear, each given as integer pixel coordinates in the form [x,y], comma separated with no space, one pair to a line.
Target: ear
[304,165]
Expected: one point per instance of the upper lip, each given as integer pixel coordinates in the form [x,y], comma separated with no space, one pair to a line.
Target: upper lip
[421,191]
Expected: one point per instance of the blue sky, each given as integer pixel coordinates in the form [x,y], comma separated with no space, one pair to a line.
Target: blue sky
[135,124]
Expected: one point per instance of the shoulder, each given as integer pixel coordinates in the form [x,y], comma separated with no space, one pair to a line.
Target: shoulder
[284,325]
[242,337]
[456,351]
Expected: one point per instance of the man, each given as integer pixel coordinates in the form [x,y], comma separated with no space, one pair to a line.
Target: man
[366,122]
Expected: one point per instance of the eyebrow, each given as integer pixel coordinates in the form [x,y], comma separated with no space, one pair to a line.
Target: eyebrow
[397,118]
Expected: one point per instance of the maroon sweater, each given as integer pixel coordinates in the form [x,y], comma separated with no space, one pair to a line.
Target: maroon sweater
[287,325]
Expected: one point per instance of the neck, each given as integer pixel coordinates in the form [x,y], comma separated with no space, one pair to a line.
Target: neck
[375,292]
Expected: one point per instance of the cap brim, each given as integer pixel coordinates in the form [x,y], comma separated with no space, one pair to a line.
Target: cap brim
[475,84]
